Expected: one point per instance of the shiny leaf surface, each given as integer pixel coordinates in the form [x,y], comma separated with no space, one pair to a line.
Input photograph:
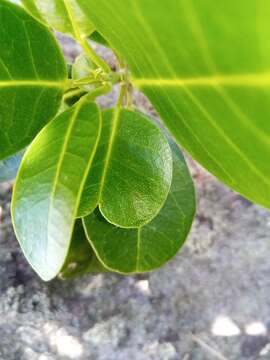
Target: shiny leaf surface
[49,185]
[62,15]
[31,87]
[150,246]
[206,69]
[132,170]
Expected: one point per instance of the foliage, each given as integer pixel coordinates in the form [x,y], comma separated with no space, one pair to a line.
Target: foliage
[111,184]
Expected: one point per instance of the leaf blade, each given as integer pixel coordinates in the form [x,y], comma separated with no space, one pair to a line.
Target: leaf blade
[132,170]
[49,184]
[63,15]
[147,248]
[28,83]
[211,82]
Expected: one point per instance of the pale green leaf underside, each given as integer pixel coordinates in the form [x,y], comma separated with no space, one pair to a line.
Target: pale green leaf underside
[49,186]
[206,69]
[62,15]
[81,259]
[150,246]
[132,170]
[31,87]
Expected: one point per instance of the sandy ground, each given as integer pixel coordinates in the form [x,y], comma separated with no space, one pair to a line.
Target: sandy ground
[212,301]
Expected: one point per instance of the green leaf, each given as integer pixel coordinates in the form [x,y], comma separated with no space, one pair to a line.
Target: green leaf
[31,7]
[98,38]
[150,246]
[132,170]
[81,259]
[82,68]
[49,185]
[62,15]
[9,167]
[206,69]
[31,87]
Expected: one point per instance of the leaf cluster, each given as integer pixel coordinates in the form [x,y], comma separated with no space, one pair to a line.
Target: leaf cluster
[97,190]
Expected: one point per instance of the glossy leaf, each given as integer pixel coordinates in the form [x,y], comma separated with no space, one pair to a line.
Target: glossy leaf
[31,87]
[81,259]
[150,246]
[10,166]
[132,170]
[62,15]
[205,68]
[49,186]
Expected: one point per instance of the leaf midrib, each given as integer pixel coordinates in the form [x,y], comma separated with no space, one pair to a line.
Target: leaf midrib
[30,83]
[256,80]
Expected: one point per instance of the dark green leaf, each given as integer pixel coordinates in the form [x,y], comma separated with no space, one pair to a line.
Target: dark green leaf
[149,247]
[132,171]
[81,259]
[98,38]
[205,66]
[31,86]
[49,186]
[9,167]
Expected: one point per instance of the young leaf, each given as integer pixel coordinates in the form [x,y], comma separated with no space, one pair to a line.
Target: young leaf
[81,68]
[81,259]
[49,185]
[31,87]
[132,170]
[150,246]
[62,15]
[206,71]
[9,167]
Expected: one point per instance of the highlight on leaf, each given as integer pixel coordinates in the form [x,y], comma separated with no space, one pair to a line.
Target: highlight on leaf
[132,171]
[49,185]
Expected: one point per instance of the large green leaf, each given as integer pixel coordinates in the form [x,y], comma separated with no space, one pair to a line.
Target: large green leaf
[63,15]
[205,66]
[81,259]
[132,170]
[49,185]
[32,78]
[150,246]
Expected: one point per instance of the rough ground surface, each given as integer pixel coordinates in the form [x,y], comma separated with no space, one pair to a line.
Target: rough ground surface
[211,302]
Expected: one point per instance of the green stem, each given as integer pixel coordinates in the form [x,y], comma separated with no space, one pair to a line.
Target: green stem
[122,95]
[72,93]
[102,90]
[92,55]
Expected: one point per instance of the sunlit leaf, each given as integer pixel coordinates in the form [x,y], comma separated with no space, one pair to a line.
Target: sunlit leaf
[205,66]
[63,15]
[150,246]
[132,170]
[49,185]
[31,87]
